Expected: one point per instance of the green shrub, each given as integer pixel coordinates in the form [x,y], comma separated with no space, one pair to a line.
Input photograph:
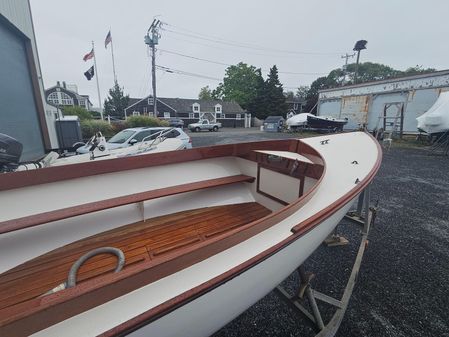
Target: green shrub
[90,127]
[136,121]
[82,113]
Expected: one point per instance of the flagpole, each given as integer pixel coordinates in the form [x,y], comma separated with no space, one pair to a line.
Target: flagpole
[112,53]
[96,76]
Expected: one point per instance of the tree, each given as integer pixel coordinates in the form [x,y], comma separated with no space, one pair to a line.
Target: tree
[116,102]
[301,92]
[81,112]
[240,84]
[272,96]
[289,95]
[205,93]
[367,71]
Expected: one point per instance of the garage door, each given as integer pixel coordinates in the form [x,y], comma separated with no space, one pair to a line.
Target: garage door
[18,113]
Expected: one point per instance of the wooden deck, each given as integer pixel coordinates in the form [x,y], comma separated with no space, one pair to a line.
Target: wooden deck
[140,242]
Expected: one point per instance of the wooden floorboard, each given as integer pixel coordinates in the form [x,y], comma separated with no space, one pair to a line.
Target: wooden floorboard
[150,239]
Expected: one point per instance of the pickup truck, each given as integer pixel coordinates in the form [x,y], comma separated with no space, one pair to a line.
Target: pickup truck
[204,125]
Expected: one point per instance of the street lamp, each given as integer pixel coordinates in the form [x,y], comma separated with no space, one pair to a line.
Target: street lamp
[359,45]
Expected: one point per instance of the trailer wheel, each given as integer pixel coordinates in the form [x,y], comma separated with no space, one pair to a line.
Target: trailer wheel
[215,128]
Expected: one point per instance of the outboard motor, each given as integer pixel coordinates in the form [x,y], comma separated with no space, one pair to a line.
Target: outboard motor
[10,152]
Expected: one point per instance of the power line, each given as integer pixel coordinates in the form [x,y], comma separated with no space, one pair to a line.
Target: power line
[186,73]
[240,44]
[227,64]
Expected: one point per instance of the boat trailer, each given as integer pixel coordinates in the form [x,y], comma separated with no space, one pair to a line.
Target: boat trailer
[364,216]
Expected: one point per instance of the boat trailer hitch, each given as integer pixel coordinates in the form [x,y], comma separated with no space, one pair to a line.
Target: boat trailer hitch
[71,279]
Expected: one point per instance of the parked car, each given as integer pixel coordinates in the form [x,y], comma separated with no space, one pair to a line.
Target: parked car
[176,122]
[204,124]
[129,137]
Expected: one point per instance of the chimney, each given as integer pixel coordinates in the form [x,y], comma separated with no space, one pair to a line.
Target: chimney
[58,83]
[63,85]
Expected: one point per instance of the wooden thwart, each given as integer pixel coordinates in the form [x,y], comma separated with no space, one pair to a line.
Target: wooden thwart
[68,212]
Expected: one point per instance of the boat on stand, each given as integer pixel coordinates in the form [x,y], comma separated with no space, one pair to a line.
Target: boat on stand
[152,245]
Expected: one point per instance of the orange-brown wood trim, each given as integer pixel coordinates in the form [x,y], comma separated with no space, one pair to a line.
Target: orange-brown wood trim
[37,314]
[42,218]
[58,173]
[298,231]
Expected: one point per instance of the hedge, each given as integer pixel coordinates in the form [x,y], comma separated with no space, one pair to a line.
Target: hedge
[136,121]
[90,127]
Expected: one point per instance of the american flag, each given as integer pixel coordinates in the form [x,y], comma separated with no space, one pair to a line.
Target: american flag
[89,55]
[108,39]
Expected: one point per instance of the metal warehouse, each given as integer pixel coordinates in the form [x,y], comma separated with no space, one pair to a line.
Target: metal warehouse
[377,104]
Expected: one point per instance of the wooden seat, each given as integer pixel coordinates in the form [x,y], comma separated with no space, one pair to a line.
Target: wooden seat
[140,242]
[68,212]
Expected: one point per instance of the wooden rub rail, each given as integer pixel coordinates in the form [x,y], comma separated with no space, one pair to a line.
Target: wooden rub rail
[41,218]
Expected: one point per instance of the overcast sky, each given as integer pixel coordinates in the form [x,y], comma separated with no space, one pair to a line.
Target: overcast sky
[298,36]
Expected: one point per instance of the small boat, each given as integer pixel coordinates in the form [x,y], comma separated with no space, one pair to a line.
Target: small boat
[298,121]
[326,123]
[435,121]
[99,151]
[169,244]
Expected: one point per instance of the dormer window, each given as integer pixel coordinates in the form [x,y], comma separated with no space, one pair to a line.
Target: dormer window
[196,107]
[150,100]
[218,108]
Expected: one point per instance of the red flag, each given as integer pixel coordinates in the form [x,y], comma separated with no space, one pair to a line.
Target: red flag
[89,55]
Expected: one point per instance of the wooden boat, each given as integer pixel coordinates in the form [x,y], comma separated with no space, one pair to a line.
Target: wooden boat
[205,233]
[326,123]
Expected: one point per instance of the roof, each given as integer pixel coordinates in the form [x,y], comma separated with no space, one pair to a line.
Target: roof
[273,119]
[390,80]
[185,104]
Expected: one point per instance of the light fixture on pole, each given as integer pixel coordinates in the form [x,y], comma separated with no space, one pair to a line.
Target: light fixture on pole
[359,45]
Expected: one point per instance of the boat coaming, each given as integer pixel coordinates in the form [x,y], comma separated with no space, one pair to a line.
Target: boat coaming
[206,277]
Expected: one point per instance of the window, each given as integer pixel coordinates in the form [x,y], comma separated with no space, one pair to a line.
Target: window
[197,115]
[136,113]
[141,135]
[166,114]
[66,99]
[121,137]
[82,102]
[219,115]
[218,108]
[172,134]
[295,106]
[238,116]
[223,115]
[145,110]
[196,107]
[150,100]
[191,115]
[53,98]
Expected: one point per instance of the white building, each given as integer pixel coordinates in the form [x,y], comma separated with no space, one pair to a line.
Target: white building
[24,114]
[368,103]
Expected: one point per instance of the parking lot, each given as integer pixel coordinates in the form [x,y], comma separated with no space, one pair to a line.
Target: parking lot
[402,287]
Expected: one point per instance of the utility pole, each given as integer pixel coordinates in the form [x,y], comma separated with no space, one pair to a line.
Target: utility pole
[345,67]
[152,39]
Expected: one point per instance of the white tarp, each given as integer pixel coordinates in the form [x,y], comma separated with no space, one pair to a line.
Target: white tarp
[298,120]
[436,119]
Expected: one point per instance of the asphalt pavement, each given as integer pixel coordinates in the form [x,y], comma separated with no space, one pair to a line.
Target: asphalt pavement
[403,284]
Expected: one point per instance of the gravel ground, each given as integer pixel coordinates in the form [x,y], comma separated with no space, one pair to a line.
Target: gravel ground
[403,287]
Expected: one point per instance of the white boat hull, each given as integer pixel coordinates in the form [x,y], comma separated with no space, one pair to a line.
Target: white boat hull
[226,302]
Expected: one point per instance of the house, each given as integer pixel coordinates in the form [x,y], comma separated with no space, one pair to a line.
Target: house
[379,104]
[24,114]
[229,114]
[295,105]
[67,95]
[273,124]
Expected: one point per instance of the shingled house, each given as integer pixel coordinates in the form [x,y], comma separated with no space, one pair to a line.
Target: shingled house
[229,114]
